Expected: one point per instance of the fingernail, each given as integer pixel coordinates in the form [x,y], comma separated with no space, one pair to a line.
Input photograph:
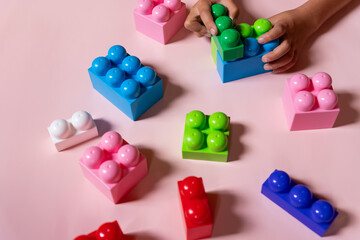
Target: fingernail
[208,35]
[213,32]
[267,67]
[265,60]
[261,40]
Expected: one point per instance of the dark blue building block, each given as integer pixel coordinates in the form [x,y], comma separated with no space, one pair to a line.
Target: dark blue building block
[247,66]
[125,82]
[299,202]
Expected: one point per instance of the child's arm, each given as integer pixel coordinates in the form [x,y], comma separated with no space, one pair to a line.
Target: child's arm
[200,20]
[294,27]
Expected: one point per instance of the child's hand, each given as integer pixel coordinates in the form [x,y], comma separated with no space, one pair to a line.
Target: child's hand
[200,15]
[293,27]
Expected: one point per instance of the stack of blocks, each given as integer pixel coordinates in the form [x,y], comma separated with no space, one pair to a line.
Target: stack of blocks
[159,19]
[125,82]
[310,103]
[107,231]
[299,202]
[114,166]
[206,137]
[195,208]
[236,51]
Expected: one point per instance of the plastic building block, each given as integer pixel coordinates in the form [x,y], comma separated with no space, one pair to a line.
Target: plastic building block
[67,133]
[158,19]
[125,82]
[299,202]
[114,166]
[206,137]
[310,103]
[195,208]
[107,231]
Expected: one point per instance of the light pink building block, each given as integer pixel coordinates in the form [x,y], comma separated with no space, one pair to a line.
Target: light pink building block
[310,103]
[114,166]
[159,19]
[67,133]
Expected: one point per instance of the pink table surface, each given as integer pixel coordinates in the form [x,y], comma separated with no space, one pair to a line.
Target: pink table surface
[46,48]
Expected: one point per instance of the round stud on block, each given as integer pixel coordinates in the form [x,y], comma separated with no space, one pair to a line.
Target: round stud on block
[83,237]
[223,23]
[268,47]
[82,120]
[322,211]
[251,47]
[300,196]
[158,1]
[245,30]
[110,171]
[197,211]
[60,129]
[217,141]
[262,26]
[93,157]
[299,82]
[130,89]
[192,188]
[114,77]
[111,141]
[230,38]
[194,139]
[117,54]
[146,76]
[304,101]
[174,5]
[279,181]
[195,119]
[321,81]
[108,231]
[100,66]
[219,121]
[161,13]
[145,6]
[218,10]
[327,99]
[131,64]
[128,155]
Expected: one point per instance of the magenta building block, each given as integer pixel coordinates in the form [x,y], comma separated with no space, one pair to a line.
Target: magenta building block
[159,20]
[114,166]
[310,103]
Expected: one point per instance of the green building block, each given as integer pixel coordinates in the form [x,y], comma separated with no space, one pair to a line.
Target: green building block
[206,137]
[229,44]
[213,50]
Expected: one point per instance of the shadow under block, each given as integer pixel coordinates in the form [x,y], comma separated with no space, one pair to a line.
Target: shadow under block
[160,31]
[108,231]
[114,167]
[228,53]
[304,214]
[318,117]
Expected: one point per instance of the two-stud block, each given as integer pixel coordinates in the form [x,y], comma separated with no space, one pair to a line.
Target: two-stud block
[114,166]
[159,19]
[67,133]
[125,82]
[310,103]
[108,231]
[206,137]
[195,208]
[299,202]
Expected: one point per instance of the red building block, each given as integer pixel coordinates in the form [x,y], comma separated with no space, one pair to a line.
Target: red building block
[159,19]
[195,207]
[114,166]
[107,231]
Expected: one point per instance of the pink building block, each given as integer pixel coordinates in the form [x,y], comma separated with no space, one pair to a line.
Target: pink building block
[159,19]
[114,166]
[310,103]
[67,133]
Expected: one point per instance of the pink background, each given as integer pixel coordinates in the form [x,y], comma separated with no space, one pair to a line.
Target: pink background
[46,48]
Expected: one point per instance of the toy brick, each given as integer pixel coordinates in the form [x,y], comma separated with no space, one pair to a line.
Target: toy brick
[67,133]
[125,82]
[310,103]
[108,231]
[213,51]
[195,208]
[206,137]
[160,20]
[299,202]
[229,53]
[114,166]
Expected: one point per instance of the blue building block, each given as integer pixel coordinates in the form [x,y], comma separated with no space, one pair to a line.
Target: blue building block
[125,82]
[299,202]
[247,66]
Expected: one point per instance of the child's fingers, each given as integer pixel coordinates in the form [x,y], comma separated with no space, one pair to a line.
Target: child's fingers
[192,23]
[277,31]
[232,8]
[278,52]
[282,64]
[207,19]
